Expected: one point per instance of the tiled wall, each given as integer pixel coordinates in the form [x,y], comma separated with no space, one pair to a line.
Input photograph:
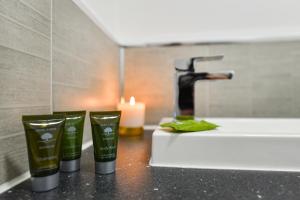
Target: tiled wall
[266,83]
[85,63]
[24,76]
[84,69]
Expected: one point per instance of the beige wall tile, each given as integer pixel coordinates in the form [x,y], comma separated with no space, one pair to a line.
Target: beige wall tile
[20,38]
[24,79]
[85,63]
[11,118]
[25,15]
[273,107]
[25,83]
[42,6]
[13,157]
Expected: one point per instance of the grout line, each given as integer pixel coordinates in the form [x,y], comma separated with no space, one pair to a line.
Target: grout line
[70,55]
[68,85]
[24,52]
[11,135]
[24,26]
[34,9]
[51,56]
[22,106]
[122,70]
[19,179]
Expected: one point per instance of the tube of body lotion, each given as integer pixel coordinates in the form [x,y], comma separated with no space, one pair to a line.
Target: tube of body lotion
[105,131]
[44,137]
[72,140]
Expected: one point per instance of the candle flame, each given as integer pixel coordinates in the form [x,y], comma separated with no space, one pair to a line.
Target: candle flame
[122,100]
[132,101]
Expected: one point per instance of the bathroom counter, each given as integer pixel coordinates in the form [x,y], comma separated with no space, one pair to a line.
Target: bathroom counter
[135,179]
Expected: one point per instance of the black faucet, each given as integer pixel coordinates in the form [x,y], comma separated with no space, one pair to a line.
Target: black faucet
[185,79]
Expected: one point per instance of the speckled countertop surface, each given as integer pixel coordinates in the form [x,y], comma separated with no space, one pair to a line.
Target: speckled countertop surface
[135,179]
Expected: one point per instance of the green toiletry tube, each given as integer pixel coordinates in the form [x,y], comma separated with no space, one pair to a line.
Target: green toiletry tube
[105,131]
[72,140]
[44,134]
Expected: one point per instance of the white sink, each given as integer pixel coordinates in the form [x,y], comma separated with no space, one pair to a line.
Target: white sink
[239,143]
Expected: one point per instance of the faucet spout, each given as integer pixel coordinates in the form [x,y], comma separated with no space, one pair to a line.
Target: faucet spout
[219,76]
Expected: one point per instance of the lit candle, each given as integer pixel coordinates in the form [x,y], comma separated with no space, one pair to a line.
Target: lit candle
[132,117]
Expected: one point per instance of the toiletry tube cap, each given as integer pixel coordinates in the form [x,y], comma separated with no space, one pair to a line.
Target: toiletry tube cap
[105,167]
[45,183]
[70,165]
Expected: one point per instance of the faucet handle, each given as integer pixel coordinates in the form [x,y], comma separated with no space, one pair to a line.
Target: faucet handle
[188,64]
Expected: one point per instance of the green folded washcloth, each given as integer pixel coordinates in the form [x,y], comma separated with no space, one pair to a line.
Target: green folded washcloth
[189,126]
[184,117]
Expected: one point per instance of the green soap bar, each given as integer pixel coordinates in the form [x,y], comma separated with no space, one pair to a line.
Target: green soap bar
[189,126]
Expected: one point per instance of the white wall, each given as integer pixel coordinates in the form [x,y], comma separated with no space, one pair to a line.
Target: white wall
[156,21]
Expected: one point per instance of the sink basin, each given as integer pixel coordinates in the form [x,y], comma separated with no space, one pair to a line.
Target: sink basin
[239,143]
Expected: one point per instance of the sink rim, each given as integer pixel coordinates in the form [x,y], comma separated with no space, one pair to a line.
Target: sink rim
[236,131]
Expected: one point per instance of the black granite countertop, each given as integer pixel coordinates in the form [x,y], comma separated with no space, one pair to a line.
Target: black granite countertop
[135,179]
